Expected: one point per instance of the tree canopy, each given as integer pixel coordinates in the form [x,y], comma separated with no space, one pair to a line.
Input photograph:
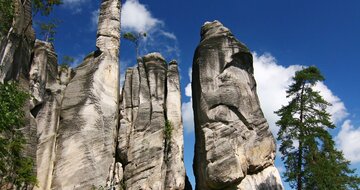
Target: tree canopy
[308,150]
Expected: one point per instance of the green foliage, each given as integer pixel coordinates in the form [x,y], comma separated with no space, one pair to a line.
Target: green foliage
[168,129]
[135,38]
[15,168]
[66,61]
[47,30]
[308,151]
[6,16]
[44,6]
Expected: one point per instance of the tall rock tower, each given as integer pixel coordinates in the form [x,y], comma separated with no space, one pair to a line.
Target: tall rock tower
[86,139]
[234,147]
[151,133]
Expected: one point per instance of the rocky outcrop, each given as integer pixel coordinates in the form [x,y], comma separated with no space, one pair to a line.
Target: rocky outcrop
[150,140]
[86,136]
[17,45]
[234,146]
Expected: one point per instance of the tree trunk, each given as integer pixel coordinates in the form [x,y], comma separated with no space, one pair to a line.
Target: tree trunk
[300,155]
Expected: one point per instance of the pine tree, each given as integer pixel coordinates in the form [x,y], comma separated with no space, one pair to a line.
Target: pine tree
[308,150]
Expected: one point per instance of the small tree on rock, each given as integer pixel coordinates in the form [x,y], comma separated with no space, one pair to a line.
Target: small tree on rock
[135,38]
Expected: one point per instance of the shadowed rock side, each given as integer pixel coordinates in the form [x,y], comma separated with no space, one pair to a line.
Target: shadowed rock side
[234,147]
[86,141]
[150,97]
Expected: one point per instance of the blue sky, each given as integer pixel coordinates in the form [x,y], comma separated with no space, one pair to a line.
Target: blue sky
[284,35]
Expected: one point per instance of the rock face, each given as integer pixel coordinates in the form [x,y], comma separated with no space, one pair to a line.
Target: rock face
[150,140]
[86,139]
[234,147]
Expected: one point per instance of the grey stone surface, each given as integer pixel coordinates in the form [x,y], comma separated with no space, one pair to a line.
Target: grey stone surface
[150,96]
[233,140]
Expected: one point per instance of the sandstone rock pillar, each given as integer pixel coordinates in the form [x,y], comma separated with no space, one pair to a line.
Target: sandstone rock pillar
[88,121]
[234,146]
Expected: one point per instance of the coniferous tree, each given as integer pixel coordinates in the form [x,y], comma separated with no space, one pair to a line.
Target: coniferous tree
[308,150]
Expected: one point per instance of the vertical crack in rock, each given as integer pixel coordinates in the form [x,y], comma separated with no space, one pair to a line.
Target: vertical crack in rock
[234,147]
[150,97]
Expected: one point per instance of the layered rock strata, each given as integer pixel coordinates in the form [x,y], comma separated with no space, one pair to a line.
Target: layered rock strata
[151,133]
[234,146]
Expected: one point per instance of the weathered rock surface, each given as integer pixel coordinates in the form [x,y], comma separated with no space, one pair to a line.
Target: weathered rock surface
[150,98]
[234,146]
[86,139]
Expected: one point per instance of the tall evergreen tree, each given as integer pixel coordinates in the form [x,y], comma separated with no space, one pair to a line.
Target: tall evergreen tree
[308,150]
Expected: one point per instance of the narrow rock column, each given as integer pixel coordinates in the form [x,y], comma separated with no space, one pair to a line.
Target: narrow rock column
[87,132]
[175,174]
[234,147]
[47,83]
[151,98]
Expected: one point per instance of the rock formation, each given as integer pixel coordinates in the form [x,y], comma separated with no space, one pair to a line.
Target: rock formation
[234,146]
[151,132]
[86,139]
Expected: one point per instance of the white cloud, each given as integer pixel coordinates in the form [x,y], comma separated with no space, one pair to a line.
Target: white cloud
[136,17]
[273,81]
[337,110]
[188,116]
[187,109]
[348,141]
